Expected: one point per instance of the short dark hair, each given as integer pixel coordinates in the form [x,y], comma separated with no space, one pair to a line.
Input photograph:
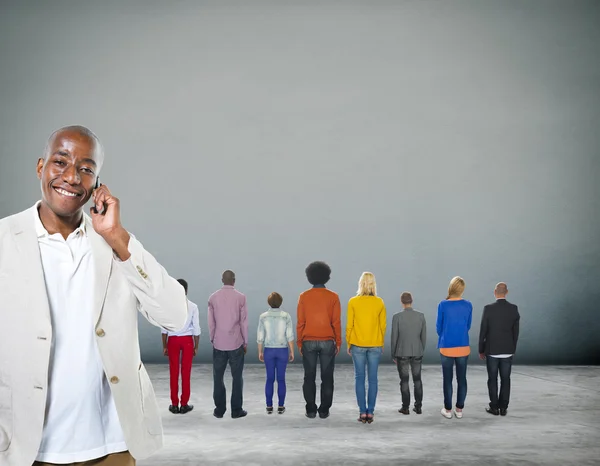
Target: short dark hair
[406,298]
[184,284]
[318,273]
[275,300]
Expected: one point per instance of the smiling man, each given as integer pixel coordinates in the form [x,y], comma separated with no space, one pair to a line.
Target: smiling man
[73,389]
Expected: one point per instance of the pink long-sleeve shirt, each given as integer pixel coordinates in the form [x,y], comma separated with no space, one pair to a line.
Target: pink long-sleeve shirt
[227,319]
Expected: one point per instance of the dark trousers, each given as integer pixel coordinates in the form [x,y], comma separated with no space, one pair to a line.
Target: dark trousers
[276,361]
[504,366]
[235,358]
[405,366]
[448,364]
[322,352]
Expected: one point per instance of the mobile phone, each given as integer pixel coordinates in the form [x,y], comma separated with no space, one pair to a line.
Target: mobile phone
[96,186]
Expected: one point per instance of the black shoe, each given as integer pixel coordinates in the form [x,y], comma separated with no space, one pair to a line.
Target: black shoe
[174,409]
[417,410]
[217,414]
[404,411]
[281,410]
[492,411]
[311,415]
[242,413]
[270,410]
[503,412]
[186,409]
[324,415]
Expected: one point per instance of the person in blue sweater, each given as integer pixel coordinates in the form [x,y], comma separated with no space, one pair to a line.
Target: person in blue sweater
[453,324]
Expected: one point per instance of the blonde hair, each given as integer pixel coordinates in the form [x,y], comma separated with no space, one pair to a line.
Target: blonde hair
[367,285]
[456,288]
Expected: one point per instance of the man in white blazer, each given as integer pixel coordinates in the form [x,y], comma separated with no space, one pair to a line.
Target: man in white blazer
[73,388]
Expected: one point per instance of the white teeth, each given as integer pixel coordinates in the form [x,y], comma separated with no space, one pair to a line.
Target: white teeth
[66,193]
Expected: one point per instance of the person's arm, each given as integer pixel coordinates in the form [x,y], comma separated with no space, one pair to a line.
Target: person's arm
[337,324]
[349,323]
[439,324]
[164,341]
[515,329]
[424,332]
[301,323]
[470,318]
[383,324]
[211,321]
[196,327]
[260,338]
[395,335]
[289,333]
[161,298]
[483,329]
[244,322]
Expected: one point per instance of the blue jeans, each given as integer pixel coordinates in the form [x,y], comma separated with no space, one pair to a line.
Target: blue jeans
[461,379]
[276,360]
[365,358]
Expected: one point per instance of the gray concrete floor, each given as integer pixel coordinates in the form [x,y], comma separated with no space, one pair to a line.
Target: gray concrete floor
[553,419]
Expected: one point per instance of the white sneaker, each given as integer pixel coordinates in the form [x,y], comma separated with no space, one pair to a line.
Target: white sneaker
[446,414]
[458,414]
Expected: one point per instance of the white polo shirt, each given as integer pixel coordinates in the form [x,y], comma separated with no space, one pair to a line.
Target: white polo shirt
[81,420]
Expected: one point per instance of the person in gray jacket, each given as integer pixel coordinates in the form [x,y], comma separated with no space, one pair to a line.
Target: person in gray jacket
[409,335]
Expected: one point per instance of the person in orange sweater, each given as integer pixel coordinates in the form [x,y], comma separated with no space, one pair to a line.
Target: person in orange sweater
[319,337]
[365,334]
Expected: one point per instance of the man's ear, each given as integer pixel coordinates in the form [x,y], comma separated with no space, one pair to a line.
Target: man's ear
[40,167]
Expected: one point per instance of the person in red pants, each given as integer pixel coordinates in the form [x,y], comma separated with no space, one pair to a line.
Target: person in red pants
[181,347]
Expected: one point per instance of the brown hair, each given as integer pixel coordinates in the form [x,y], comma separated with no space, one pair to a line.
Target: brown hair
[406,298]
[456,288]
[275,300]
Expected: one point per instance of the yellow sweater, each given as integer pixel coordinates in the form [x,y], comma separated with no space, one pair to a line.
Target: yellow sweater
[367,321]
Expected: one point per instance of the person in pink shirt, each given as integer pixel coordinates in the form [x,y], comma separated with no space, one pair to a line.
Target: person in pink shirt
[228,331]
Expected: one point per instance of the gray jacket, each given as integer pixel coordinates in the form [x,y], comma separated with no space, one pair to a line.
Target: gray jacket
[409,334]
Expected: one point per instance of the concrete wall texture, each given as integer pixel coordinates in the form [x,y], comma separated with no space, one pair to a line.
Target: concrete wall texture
[415,139]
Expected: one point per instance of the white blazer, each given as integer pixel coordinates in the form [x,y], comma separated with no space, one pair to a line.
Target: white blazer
[121,290]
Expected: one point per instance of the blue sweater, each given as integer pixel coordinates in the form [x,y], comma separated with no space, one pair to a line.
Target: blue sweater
[453,323]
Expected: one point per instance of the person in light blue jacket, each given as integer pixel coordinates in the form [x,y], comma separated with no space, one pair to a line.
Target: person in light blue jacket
[453,324]
[275,338]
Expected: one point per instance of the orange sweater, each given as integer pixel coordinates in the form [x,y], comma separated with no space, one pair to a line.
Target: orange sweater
[319,316]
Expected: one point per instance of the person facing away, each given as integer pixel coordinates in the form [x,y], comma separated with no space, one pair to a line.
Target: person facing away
[319,337]
[182,346]
[365,334]
[498,338]
[453,324]
[228,328]
[275,338]
[73,388]
[409,337]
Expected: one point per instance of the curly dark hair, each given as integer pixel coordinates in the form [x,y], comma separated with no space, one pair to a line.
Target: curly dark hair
[318,273]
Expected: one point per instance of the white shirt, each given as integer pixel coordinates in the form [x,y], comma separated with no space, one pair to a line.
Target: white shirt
[81,420]
[192,324]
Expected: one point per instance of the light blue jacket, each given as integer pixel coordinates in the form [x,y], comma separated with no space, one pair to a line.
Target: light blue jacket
[275,329]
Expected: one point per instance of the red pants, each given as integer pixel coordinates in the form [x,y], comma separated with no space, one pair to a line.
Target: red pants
[180,347]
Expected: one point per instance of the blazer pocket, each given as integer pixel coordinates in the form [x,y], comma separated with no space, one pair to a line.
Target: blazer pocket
[6,418]
[149,404]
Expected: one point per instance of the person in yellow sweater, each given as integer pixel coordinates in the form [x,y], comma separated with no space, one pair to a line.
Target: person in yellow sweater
[365,334]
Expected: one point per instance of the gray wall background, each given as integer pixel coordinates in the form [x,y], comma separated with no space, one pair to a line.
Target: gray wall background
[415,139]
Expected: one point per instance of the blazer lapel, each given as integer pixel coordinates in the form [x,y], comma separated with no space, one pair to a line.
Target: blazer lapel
[26,241]
[103,259]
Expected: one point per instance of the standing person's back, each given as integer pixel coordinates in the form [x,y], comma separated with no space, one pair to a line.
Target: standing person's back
[409,336]
[365,335]
[498,338]
[319,335]
[453,325]
[228,328]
